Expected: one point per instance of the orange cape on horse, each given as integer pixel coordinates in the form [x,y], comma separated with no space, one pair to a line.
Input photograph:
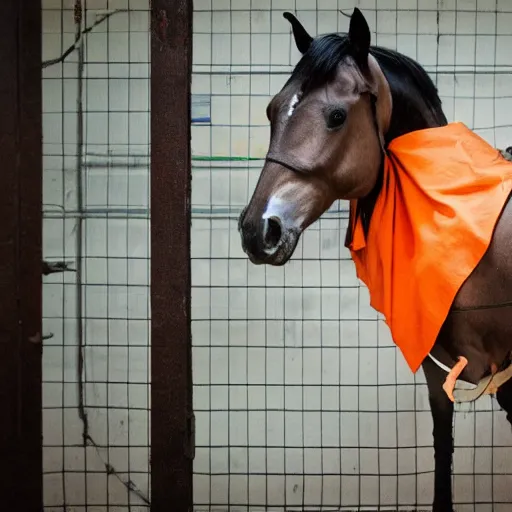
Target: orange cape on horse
[443,192]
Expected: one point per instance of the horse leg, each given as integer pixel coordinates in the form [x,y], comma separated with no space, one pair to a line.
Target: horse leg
[504,398]
[442,416]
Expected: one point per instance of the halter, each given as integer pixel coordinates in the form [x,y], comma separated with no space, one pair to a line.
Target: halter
[373,104]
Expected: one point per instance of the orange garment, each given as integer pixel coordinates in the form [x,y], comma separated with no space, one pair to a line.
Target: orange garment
[443,192]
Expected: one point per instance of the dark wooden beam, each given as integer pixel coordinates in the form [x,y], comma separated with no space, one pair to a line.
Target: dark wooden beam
[20,256]
[171,382]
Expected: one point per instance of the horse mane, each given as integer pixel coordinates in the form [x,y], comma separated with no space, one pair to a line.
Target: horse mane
[416,103]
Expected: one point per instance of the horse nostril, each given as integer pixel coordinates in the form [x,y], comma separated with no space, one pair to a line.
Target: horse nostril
[272,233]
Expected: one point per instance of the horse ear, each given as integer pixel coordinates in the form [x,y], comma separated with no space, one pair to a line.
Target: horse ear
[302,38]
[359,37]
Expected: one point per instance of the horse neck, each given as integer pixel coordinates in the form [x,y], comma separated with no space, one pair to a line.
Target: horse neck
[410,112]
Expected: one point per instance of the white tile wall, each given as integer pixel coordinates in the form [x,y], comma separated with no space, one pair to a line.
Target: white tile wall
[114,253]
[301,398]
[289,410]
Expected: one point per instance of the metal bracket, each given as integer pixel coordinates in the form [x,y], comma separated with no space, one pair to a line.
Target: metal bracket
[56,266]
[507,153]
[190,448]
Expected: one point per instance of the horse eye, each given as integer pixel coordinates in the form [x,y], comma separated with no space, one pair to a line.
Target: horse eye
[336,118]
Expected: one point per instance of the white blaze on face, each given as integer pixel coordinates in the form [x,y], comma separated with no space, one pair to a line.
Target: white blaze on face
[285,210]
[293,104]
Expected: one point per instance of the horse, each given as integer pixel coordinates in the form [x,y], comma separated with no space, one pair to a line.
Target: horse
[345,100]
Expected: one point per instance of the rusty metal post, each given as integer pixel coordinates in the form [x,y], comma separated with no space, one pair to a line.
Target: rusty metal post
[20,256]
[171,383]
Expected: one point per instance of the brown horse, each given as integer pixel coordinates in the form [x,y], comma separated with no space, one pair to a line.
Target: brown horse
[330,124]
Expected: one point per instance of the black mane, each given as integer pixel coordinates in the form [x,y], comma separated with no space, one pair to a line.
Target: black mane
[319,64]
[416,103]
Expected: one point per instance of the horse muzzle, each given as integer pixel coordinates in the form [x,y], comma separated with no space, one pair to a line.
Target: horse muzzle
[267,241]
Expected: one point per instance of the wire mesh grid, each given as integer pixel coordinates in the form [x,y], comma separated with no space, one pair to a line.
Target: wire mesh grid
[302,400]
[96,223]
